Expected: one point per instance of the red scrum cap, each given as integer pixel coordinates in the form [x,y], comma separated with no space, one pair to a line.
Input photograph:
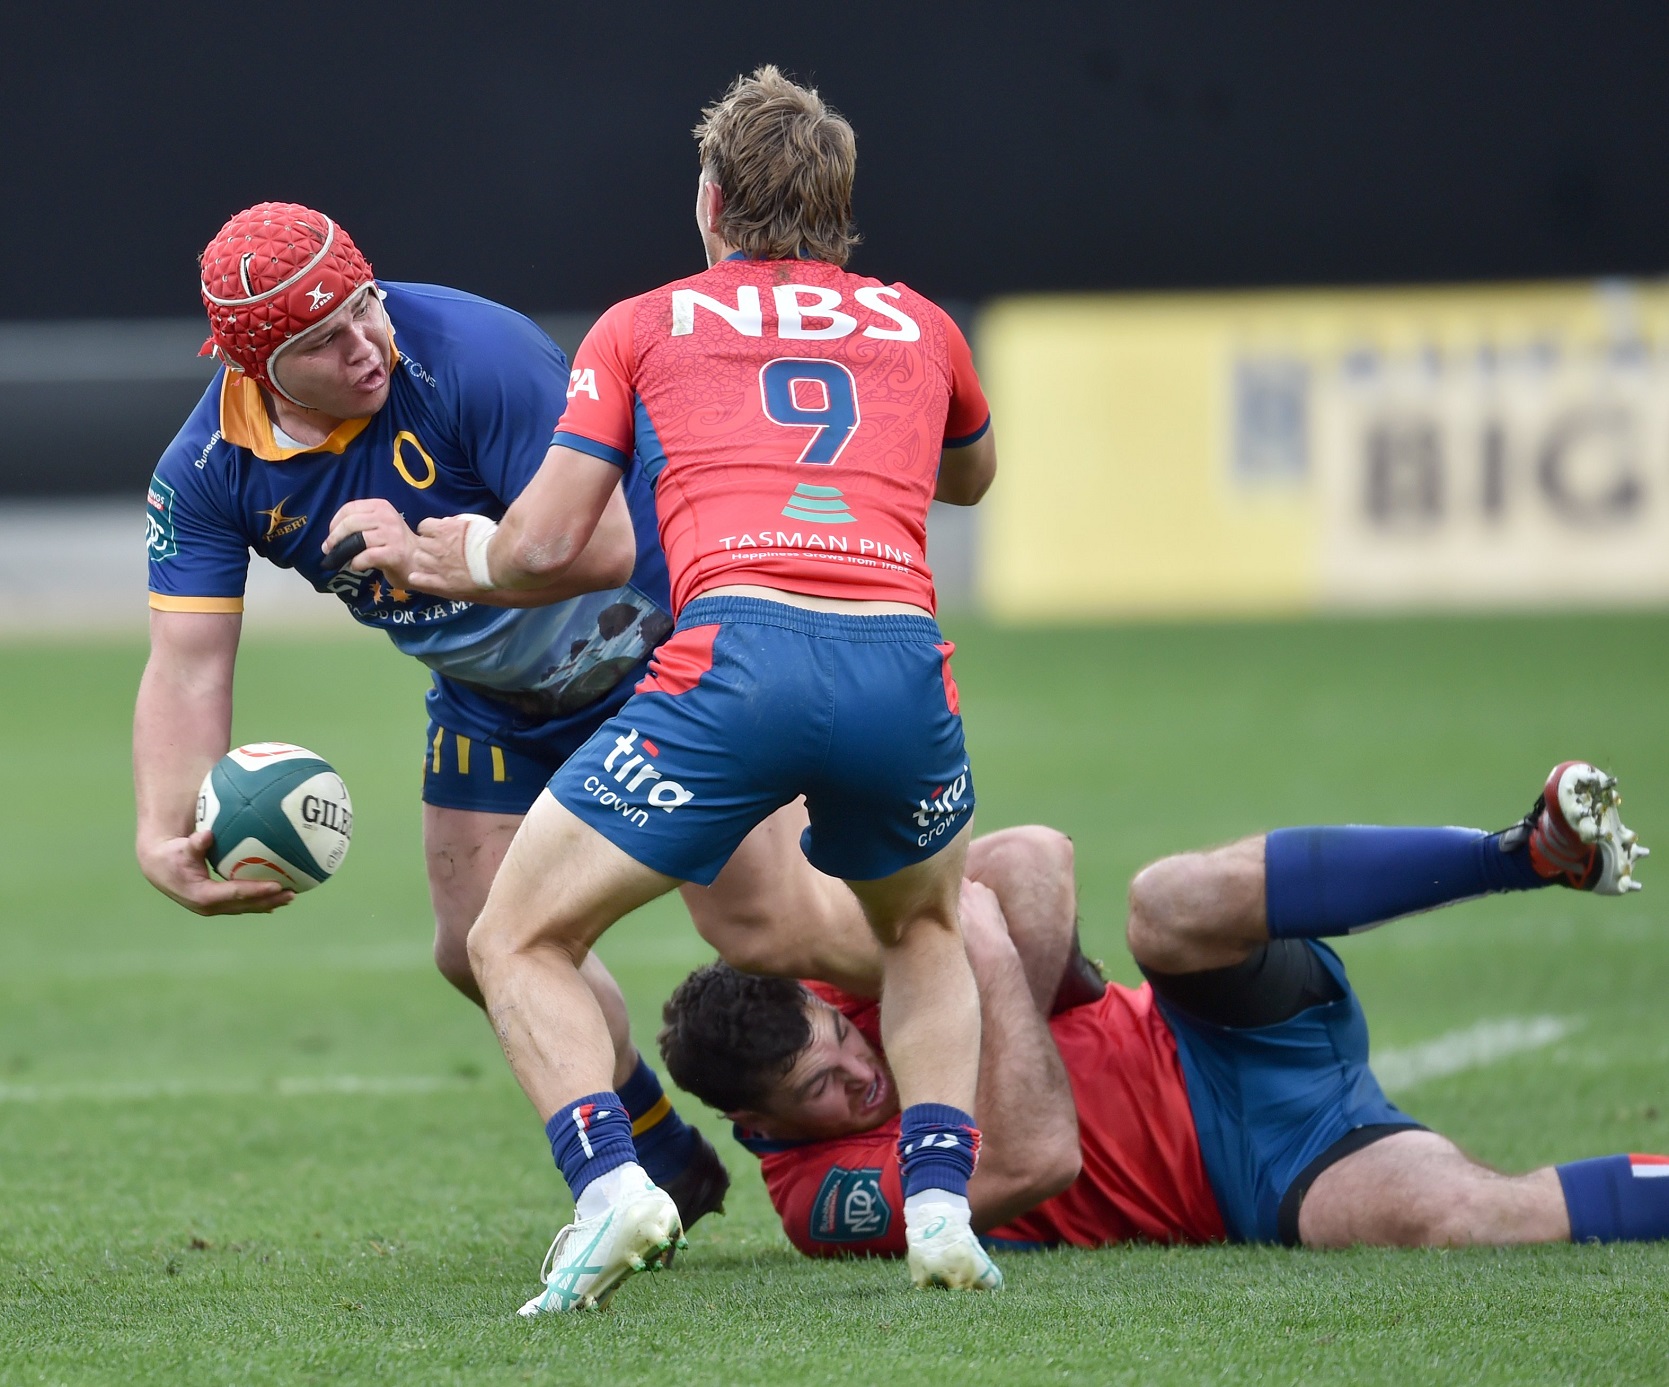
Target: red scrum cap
[270,274]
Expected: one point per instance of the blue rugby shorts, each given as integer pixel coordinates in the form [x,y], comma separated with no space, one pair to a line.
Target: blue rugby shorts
[752,703]
[481,753]
[1268,1101]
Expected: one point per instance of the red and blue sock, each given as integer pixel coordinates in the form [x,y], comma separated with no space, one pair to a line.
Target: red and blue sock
[664,1141]
[590,1137]
[1613,1199]
[938,1148]
[1321,882]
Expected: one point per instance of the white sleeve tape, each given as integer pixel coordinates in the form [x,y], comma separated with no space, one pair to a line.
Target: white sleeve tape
[476,539]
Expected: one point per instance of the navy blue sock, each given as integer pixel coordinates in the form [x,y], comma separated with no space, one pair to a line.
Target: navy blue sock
[1617,1199]
[938,1146]
[1327,881]
[590,1137]
[664,1140]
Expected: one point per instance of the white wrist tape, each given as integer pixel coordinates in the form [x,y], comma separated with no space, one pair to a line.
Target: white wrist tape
[476,539]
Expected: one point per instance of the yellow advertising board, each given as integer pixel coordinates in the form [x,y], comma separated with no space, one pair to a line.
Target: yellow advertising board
[1308,450]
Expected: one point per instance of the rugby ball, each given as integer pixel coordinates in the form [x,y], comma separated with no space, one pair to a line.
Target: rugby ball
[278,813]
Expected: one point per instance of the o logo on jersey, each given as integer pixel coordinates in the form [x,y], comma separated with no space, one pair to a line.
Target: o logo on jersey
[428,478]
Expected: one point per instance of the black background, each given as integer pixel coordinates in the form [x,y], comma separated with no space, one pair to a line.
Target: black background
[540,154]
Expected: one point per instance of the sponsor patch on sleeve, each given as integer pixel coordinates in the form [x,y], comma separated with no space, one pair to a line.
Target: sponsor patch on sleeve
[159,521]
[850,1207]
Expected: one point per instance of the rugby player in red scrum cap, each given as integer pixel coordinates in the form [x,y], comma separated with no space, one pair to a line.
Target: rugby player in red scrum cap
[352,409]
[795,420]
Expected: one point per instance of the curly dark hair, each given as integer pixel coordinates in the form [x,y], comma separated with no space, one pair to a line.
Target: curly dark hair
[729,1037]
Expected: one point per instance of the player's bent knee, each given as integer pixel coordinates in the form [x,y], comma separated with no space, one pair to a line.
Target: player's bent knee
[1052,848]
[498,939]
[1148,926]
[1065,1168]
[1033,847]
[1138,933]
[452,959]
[490,944]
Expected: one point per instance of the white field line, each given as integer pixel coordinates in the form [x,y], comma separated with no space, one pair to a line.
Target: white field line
[140,1091]
[1487,1042]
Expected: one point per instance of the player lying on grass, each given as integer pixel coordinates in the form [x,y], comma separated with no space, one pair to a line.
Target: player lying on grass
[1228,1097]
[797,420]
[343,408]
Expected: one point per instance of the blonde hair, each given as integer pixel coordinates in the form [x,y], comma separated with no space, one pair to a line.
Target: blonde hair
[785,163]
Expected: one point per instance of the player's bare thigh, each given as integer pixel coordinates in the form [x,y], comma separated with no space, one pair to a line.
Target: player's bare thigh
[770,911]
[930,1017]
[1418,1189]
[924,894]
[560,885]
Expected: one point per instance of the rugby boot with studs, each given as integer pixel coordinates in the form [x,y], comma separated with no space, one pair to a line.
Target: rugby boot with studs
[1574,834]
[592,1257]
[945,1251]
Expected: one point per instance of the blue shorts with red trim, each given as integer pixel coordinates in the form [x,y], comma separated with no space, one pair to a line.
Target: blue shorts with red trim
[752,703]
[1269,1100]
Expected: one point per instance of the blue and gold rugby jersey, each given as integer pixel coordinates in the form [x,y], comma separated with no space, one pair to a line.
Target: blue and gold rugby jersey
[475,395]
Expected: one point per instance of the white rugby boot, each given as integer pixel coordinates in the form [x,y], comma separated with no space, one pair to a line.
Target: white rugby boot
[944,1251]
[1575,834]
[592,1257]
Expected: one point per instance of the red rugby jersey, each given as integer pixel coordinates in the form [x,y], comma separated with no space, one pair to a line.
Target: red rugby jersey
[1143,1177]
[790,416]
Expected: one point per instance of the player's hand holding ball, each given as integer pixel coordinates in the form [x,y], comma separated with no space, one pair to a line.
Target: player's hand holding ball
[275,813]
[177,868]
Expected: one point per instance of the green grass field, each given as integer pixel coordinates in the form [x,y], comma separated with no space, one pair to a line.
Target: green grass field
[281,1150]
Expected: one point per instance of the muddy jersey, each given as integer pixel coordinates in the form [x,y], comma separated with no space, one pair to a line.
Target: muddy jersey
[1143,1176]
[475,392]
[790,416]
